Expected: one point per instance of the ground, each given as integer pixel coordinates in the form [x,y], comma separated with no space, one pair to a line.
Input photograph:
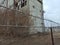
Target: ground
[37,39]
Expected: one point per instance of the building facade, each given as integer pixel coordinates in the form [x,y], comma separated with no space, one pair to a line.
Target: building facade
[35,8]
[29,7]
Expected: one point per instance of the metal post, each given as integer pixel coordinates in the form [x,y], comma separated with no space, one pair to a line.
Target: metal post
[7,16]
[52,36]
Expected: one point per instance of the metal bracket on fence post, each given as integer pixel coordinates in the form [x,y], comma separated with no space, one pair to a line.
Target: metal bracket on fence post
[52,36]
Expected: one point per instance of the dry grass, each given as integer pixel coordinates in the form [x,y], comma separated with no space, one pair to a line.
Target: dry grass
[29,40]
[16,35]
[9,17]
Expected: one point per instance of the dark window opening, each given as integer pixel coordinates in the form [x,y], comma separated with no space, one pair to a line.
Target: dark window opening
[23,3]
[39,1]
[16,4]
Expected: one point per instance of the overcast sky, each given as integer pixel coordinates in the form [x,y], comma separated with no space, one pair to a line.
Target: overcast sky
[52,10]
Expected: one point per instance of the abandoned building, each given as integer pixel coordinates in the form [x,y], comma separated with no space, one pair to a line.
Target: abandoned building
[20,16]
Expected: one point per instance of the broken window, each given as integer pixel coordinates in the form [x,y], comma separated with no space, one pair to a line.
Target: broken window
[39,1]
[23,3]
[16,3]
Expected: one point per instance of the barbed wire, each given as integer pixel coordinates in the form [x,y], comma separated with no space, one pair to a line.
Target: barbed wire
[31,15]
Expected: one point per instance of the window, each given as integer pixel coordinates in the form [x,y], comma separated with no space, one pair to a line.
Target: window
[39,1]
[15,3]
[23,3]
